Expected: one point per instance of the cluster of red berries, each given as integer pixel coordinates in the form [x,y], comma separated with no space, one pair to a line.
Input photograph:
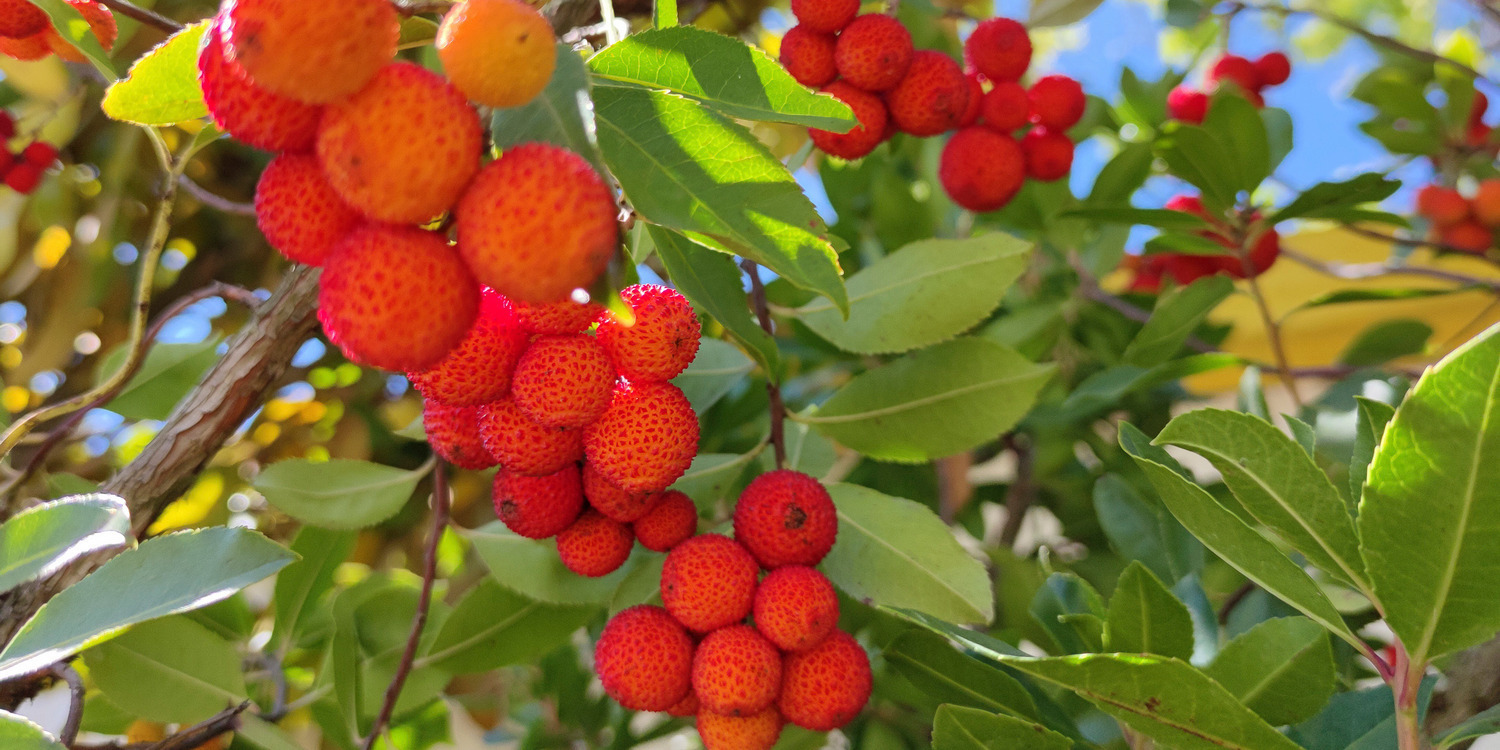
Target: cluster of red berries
[869,63]
[26,33]
[1476,131]
[1184,268]
[1467,223]
[22,170]
[1249,78]
[742,653]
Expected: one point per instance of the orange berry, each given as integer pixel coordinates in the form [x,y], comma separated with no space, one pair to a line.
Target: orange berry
[402,149]
[645,659]
[673,520]
[1469,236]
[827,16]
[614,502]
[1000,49]
[1049,154]
[785,517]
[647,437]
[537,223]
[795,608]
[981,169]
[524,446]
[251,114]
[20,18]
[1057,102]
[33,47]
[869,111]
[538,507]
[557,317]
[1486,202]
[1442,206]
[500,53]
[686,707]
[563,381]
[478,370]
[757,732]
[1005,108]
[932,97]
[298,211]
[708,582]
[660,342]
[453,433]
[809,55]
[736,671]
[826,687]
[873,52]
[397,298]
[595,545]
[315,52]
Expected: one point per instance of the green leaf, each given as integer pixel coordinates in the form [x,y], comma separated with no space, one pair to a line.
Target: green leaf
[74,30]
[934,402]
[935,668]
[1278,483]
[19,733]
[895,552]
[1344,296]
[1432,504]
[1071,611]
[492,627]
[1480,724]
[165,575]
[1305,434]
[1237,124]
[560,115]
[716,370]
[162,86]
[1319,200]
[1385,341]
[1177,314]
[171,670]
[696,171]
[1185,244]
[711,476]
[961,728]
[1358,719]
[1122,175]
[1146,618]
[1201,158]
[1059,12]
[924,293]
[337,494]
[727,75]
[1102,391]
[1230,538]
[531,568]
[1142,530]
[167,374]
[807,451]
[1282,669]
[664,14]
[416,31]
[42,539]
[300,587]
[1279,130]
[263,734]
[712,283]
[1161,218]
[1373,417]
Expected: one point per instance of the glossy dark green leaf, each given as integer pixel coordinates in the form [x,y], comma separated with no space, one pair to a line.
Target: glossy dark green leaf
[20,733]
[492,627]
[337,494]
[1185,244]
[1318,200]
[1145,618]
[1237,124]
[931,664]
[1071,611]
[1141,529]
[1485,722]
[962,728]
[300,587]
[1122,175]
[717,369]
[1201,158]
[1046,13]
[1176,315]
[1282,669]
[165,376]
[1161,218]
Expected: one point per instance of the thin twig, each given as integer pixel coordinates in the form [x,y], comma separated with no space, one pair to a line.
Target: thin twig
[1273,337]
[421,7]
[193,737]
[773,390]
[1022,493]
[66,673]
[214,200]
[1377,270]
[1406,241]
[147,17]
[1234,600]
[1089,287]
[277,673]
[419,621]
[1489,10]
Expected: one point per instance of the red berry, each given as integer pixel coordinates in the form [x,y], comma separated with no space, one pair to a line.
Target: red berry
[253,115]
[1000,49]
[7,125]
[1272,69]
[538,507]
[20,18]
[298,211]
[873,52]
[645,659]
[23,178]
[981,169]
[736,671]
[785,517]
[1469,236]
[1190,204]
[563,381]
[933,96]
[1188,105]
[1442,206]
[827,686]
[1006,107]
[453,432]
[40,154]
[795,608]
[1057,102]
[646,439]
[1237,70]
[976,99]
[524,446]
[864,137]
[661,340]
[595,545]
[558,318]
[809,55]
[478,370]
[1049,154]
[673,520]
[708,582]
[609,499]
[33,47]
[827,16]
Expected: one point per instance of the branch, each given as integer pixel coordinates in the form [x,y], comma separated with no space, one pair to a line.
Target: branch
[66,673]
[1377,270]
[1022,492]
[1089,287]
[1273,337]
[422,7]
[773,390]
[419,621]
[214,200]
[191,738]
[147,17]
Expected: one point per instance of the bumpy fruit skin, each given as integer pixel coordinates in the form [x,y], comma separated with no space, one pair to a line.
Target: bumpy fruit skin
[873,52]
[1485,204]
[981,169]
[614,502]
[646,439]
[1272,69]
[736,671]
[538,507]
[1443,206]
[708,582]
[785,517]
[1057,102]
[478,370]
[526,253]
[523,446]
[315,52]
[298,211]
[809,55]
[756,732]
[1468,235]
[1000,49]
[932,97]
[395,297]
[253,115]
[557,317]
[594,546]
[871,113]
[1237,70]
[19,18]
[500,53]
[795,608]
[1005,108]
[976,100]
[563,381]
[826,687]
[662,340]
[1188,105]
[453,432]
[673,520]
[827,16]
[403,148]
[1049,154]
[686,707]
[645,659]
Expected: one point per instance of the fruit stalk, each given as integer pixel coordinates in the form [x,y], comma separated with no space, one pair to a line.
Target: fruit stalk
[777,407]
[148,17]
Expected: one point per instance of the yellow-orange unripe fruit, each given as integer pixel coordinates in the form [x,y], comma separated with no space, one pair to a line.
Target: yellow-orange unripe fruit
[1486,203]
[500,53]
[316,52]
[757,732]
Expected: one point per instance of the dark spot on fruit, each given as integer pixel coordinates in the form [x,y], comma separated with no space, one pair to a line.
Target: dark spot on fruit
[795,517]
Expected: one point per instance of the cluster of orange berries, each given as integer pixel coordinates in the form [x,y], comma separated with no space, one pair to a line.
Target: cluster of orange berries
[868,63]
[1467,223]
[1250,79]
[1185,268]
[26,33]
[741,652]
[22,170]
